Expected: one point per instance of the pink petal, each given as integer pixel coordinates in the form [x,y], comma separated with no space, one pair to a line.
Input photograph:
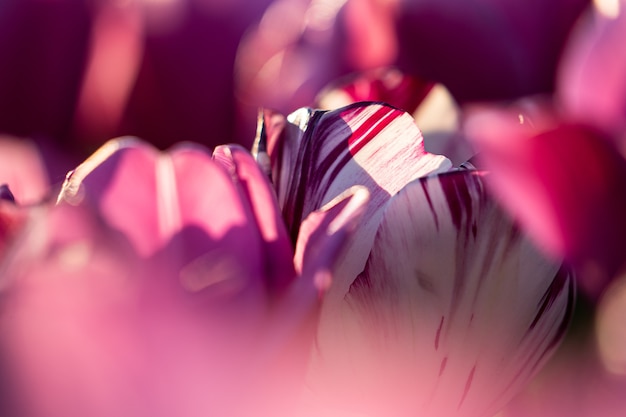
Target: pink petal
[325,234]
[592,82]
[454,312]
[182,207]
[564,183]
[255,184]
[12,221]
[22,169]
[383,85]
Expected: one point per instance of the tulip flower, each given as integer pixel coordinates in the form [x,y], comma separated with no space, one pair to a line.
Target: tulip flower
[478,49]
[441,306]
[559,163]
[164,284]
[77,72]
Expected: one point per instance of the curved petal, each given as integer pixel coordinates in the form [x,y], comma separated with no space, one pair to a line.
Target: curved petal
[318,155]
[117,344]
[247,174]
[485,49]
[565,184]
[454,311]
[182,207]
[369,144]
[386,85]
[592,78]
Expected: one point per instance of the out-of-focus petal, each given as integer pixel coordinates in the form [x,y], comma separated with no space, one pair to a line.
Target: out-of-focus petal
[386,85]
[12,220]
[185,83]
[592,79]
[43,51]
[23,170]
[317,155]
[485,49]
[118,339]
[564,182]
[453,314]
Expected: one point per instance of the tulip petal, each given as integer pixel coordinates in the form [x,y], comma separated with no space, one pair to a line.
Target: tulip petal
[317,155]
[454,311]
[279,267]
[181,206]
[564,183]
[593,69]
[386,85]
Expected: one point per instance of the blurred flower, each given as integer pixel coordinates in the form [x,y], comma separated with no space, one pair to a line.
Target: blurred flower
[164,284]
[440,306]
[478,49]
[23,181]
[80,72]
[559,163]
[591,85]
[485,49]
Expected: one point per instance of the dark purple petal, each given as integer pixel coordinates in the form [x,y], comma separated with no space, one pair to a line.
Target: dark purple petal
[485,49]
[6,194]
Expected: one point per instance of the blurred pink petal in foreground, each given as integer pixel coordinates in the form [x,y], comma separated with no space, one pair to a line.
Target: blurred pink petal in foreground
[163,284]
[22,169]
[23,181]
[383,85]
[440,306]
[592,82]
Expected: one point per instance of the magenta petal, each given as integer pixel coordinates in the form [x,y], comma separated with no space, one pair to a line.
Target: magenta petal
[565,184]
[277,250]
[454,312]
[591,84]
[119,179]
[23,170]
[181,203]
[316,156]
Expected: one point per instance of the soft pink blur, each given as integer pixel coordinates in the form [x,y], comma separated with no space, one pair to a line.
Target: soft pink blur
[165,284]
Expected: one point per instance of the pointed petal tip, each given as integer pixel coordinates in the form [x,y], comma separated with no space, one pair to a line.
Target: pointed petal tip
[356,199]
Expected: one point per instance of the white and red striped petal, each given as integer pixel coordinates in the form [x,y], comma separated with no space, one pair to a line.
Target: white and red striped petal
[454,312]
[316,155]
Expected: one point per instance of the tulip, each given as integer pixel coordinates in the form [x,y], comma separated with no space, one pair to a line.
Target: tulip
[441,306]
[559,163]
[478,49]
[23,181]
[164,284]
[76,72]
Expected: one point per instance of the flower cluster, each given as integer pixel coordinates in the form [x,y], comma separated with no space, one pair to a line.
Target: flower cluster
[428,221]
